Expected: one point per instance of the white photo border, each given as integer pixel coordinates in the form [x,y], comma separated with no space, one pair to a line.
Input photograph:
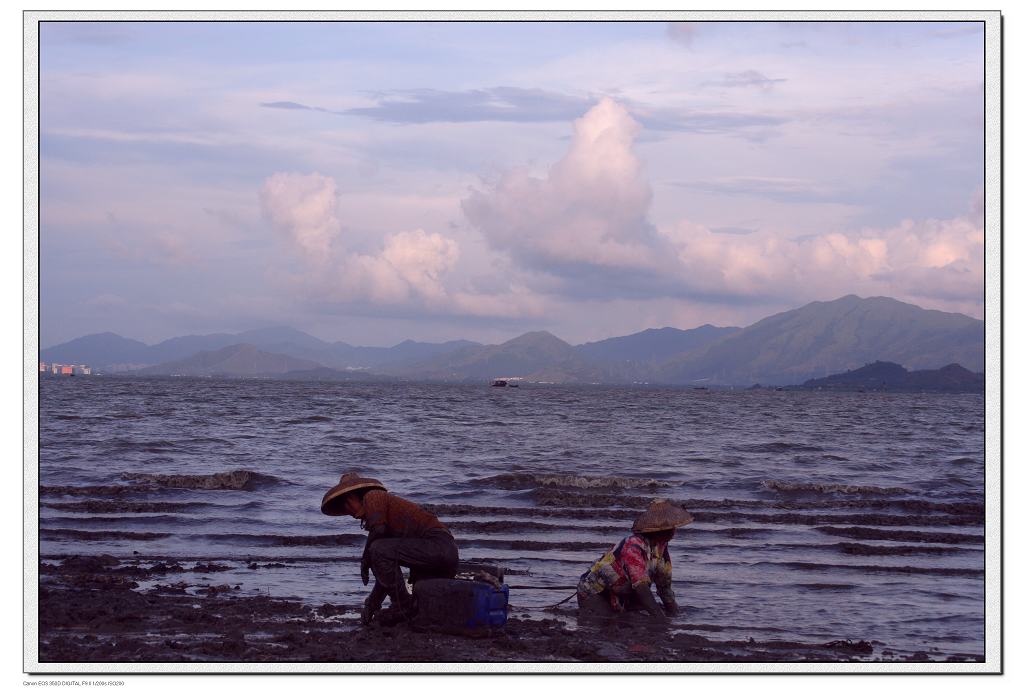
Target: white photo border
[993,347]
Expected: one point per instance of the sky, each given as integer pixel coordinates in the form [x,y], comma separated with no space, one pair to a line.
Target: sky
[373,182]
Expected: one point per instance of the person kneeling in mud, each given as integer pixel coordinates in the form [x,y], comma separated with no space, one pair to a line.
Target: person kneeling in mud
[621,579]
[400,534]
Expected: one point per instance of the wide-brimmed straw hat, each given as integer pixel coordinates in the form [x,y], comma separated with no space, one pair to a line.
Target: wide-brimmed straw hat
[661,515]
[349,482]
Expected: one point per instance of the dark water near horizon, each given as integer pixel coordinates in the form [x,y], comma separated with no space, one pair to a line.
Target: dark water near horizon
[818,516]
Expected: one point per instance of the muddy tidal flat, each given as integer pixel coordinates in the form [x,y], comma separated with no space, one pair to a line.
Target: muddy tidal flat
[92,610]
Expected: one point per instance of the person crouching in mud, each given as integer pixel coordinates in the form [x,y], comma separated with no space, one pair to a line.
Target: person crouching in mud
[400,534]
[621,579]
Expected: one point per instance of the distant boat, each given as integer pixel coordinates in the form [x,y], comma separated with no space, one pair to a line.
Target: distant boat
[509,381]
[499,383]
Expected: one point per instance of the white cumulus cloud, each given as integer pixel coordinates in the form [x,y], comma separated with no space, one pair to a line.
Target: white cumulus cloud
[591,209]
[586,223]
[410,269]
[936,262]
[304,207]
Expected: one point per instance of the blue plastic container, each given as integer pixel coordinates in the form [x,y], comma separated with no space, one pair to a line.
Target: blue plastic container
[460,606]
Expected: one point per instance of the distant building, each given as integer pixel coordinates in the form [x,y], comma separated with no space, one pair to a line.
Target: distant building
[55,369]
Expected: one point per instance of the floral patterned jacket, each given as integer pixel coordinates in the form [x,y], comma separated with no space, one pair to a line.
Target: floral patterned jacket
[632,562]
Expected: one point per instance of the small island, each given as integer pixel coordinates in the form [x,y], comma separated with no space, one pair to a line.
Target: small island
[888,376]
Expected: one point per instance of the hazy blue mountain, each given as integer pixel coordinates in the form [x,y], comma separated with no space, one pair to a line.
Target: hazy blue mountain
[234,360]
[654,344]
[887,376]
[538,356]
[279,340]
[282,335]
[410,350]
[345,356]
[100,350]
[828,337]
[187,345]
[107,349]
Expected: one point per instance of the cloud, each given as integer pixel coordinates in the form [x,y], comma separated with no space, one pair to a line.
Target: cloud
[738,231]
[746,78]
[704,122]
[930,261]
[781,189]
[303,207]
[516,105]
[107,301]
[411,265]
[288,105]
[141,242]
[408,272]
[590,209]
[586,224]
[508,104]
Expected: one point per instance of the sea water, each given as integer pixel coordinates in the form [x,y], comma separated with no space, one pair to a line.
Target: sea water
[818,516]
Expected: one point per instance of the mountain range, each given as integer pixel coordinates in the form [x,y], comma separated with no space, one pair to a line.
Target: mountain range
[112,353]
[813,341]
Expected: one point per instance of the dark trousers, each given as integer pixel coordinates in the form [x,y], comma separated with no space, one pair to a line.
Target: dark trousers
[434,555]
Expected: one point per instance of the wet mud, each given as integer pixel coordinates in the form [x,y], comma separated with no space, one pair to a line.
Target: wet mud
[236,479]
[780,486]
[92,610]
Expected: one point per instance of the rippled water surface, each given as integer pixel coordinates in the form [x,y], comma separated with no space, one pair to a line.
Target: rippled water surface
[818,516]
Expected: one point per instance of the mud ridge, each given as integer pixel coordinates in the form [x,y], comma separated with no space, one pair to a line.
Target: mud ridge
[964,508]
[858,549]
[928,570]
[246,539]
[70,534]
[825,488]
[235,480]
[557,497]
[903,535]
[444,511]
[886,520]
[97,506]
[92,490]
[534,544]
[523,480]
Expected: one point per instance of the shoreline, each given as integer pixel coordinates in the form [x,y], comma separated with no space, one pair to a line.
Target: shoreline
[92,610]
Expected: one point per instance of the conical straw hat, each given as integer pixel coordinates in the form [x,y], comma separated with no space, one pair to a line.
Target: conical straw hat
[349,482]
[661,515]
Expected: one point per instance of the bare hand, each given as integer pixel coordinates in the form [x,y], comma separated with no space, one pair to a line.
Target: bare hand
[370,609]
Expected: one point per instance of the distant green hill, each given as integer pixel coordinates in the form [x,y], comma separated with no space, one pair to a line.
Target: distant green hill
[886,376]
